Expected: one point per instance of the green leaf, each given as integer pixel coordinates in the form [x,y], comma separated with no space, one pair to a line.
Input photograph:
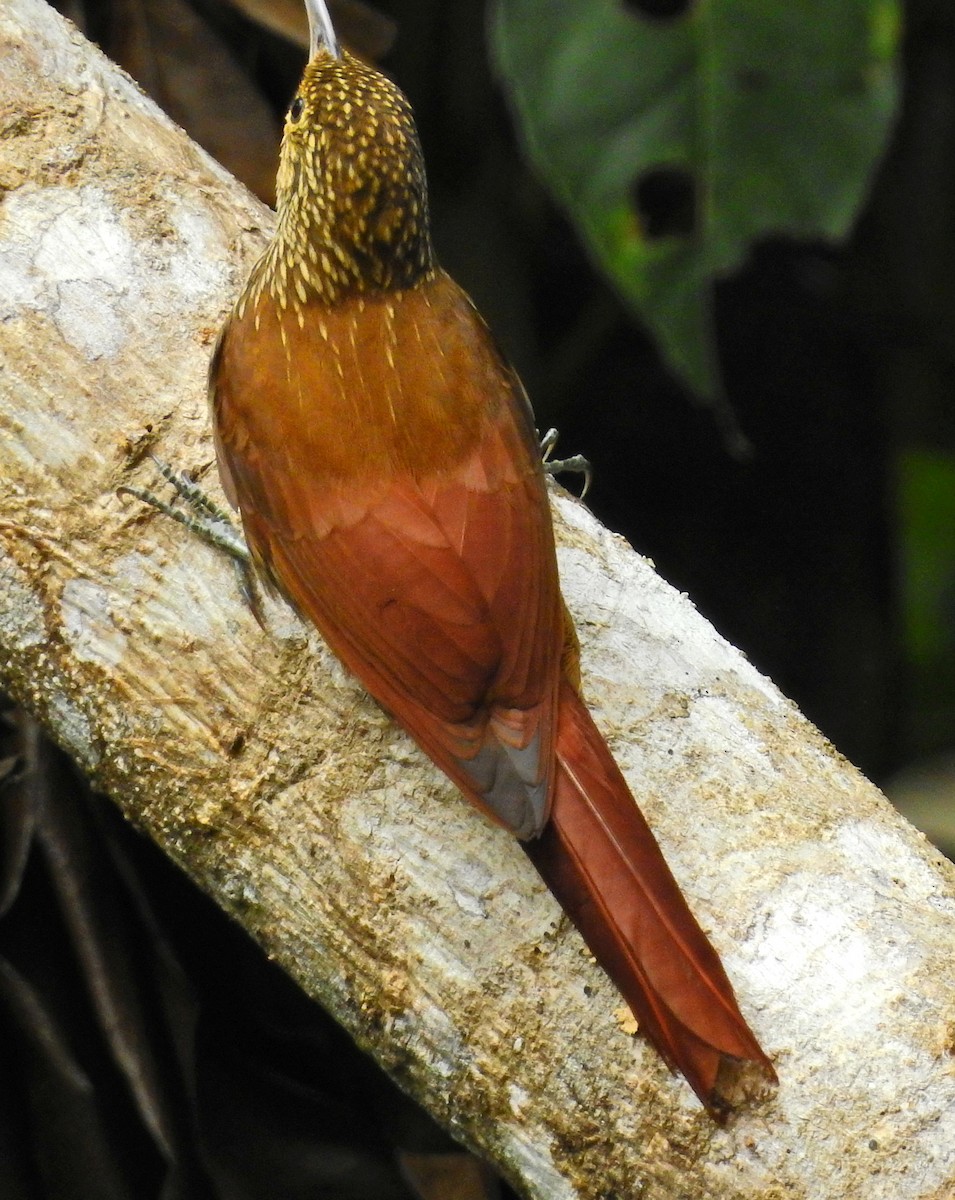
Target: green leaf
[675,143]
[926,507]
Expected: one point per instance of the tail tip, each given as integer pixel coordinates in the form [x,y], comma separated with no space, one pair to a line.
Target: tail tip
[738,1083]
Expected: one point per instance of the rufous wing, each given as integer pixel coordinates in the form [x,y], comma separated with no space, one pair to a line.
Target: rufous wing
[431,576]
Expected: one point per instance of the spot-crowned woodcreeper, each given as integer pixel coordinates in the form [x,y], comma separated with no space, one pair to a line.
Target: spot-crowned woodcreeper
[384,460]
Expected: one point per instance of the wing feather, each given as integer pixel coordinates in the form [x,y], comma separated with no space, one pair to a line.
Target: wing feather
[428,563]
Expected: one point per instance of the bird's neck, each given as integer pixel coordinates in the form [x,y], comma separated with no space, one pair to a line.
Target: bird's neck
[322,255]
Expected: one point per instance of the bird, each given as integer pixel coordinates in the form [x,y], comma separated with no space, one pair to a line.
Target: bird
[384,461]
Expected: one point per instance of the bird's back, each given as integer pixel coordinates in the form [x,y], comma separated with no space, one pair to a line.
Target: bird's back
[385,463]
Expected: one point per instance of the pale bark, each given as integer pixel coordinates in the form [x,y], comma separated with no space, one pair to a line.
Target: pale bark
[260,766]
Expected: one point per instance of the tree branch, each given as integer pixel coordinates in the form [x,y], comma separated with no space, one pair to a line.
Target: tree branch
[261,768]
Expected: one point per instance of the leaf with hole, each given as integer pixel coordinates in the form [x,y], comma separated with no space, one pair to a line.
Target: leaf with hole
[677,133]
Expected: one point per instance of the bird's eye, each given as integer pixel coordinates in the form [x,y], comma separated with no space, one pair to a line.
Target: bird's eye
[298,107]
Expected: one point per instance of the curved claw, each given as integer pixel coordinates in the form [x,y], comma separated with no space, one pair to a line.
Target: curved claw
[576,463]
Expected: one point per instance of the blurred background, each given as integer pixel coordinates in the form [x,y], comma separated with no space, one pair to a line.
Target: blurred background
[720,252]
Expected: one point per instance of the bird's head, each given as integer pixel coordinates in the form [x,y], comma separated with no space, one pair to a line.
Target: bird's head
[352,195]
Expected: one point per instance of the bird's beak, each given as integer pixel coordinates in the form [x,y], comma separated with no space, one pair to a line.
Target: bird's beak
[321,30]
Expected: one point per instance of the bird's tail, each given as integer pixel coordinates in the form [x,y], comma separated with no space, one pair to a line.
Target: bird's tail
[599,858]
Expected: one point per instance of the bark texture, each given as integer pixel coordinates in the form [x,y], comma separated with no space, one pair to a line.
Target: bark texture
[261,768]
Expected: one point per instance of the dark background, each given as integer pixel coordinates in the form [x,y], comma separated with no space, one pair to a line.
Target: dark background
[146,1049]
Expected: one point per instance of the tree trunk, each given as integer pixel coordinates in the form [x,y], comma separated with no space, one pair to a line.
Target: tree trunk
[257,764]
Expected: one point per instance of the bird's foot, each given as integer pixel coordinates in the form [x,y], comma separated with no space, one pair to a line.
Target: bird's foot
[576,463]
[206,520]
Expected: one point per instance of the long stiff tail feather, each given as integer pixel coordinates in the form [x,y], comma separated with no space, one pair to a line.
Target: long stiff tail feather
[599,858]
